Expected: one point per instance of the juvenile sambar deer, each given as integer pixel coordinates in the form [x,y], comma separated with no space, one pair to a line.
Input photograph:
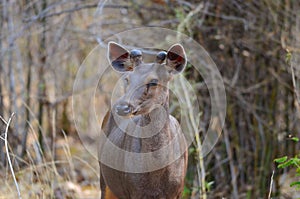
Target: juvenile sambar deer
[146,104]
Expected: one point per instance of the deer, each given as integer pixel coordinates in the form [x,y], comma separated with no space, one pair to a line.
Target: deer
[145,100]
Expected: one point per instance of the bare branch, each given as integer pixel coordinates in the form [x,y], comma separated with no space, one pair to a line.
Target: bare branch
[44,14]
[3,120]
[8,157]
[271,185]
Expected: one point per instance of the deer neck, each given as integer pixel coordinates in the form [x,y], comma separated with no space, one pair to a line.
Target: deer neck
[157,115]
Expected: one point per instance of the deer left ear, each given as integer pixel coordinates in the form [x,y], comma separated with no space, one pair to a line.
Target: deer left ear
[119,57]
[176,58]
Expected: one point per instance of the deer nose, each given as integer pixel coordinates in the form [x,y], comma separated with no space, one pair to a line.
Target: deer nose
[124,109]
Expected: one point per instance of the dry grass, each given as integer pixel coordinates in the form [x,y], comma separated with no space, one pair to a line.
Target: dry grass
[73,174]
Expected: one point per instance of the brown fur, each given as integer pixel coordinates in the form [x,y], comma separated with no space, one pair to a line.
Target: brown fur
[164,183]
[109,194]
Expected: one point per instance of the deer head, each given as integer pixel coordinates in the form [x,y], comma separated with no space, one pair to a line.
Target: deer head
[146,84]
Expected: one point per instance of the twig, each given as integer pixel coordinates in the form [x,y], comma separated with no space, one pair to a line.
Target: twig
[201,169]
[8,157]
[186,3]
[194,127]
[44,13]
[3,120]
[294,85]
[271,185]
[231,164]
[187,19]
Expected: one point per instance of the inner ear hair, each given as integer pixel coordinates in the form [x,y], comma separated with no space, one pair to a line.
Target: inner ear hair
[176,58]
[119,57]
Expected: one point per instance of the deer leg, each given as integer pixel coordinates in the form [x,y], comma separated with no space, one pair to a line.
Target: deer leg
[102,185]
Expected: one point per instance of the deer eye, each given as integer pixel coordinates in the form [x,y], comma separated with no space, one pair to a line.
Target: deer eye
[153,82]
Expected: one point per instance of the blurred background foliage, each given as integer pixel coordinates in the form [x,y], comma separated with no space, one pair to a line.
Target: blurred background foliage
[255,45]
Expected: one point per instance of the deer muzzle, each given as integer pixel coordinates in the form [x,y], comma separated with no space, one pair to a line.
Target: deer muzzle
[123,109]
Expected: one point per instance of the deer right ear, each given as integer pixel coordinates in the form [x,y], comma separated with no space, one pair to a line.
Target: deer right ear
[176,58]
[119,57]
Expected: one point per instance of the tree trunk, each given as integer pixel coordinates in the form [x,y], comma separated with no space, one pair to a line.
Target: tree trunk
[42,83]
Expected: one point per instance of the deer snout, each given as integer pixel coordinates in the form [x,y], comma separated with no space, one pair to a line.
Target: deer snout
[123,109]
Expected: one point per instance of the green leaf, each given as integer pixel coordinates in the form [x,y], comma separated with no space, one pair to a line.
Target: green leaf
[208,185]
[192,150]
[286,164]
[281,160]
[295,184]
[295,139]
[288,57]
[186,191]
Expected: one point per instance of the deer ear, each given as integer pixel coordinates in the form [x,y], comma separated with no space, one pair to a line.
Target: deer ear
[119,57]
[176,58]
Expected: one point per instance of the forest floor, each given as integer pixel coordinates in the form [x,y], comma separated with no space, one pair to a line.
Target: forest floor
[73,174]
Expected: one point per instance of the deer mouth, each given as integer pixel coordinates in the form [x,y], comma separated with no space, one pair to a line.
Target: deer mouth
[141,109]
[136,111]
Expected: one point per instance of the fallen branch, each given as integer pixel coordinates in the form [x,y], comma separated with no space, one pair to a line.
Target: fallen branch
[7,152]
